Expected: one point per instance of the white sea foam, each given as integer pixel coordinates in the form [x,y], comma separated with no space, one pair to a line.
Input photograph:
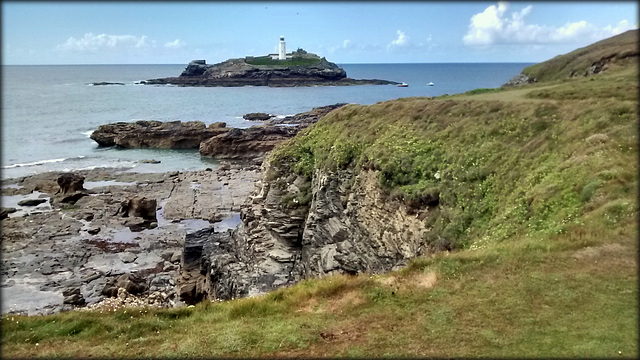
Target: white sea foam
[41,162]
[88,133]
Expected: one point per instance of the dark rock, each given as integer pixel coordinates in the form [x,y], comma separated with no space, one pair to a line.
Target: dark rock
[31,202]
[70,182]
[256,116]
[195,68]
[5,211]
[73,198]
[103,83]
[149,161]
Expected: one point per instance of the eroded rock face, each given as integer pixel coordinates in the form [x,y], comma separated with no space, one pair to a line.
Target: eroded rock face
[349,226]
[246,143]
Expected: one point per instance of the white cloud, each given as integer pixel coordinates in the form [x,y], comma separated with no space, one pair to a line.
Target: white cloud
[91,42]
[175,44]
[495,26]
[401,40]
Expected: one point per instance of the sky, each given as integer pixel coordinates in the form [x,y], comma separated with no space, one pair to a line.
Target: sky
[52,33]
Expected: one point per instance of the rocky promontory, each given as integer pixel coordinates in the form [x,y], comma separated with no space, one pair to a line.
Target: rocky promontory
[303,69]
[215,140]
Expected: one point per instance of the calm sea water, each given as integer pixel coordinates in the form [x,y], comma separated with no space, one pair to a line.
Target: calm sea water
[48,112]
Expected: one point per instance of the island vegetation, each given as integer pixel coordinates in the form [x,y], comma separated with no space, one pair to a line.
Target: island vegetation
[537,188]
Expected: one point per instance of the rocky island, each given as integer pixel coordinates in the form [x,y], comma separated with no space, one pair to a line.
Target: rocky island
[298,69]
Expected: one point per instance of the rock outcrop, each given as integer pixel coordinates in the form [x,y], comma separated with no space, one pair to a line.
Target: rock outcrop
[216,140]
[247,143]
[306,118]
[156,134]
[340,222]
[240,72]
[519,80]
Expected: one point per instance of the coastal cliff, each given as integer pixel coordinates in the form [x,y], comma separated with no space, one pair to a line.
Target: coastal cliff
[303,70]
[293,229]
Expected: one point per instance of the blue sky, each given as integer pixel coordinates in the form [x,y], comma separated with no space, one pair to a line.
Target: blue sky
[343,32]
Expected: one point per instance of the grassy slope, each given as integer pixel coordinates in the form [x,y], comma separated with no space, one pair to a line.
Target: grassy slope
[561,66]
[542,211]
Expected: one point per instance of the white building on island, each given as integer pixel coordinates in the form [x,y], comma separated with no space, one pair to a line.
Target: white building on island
[282,51]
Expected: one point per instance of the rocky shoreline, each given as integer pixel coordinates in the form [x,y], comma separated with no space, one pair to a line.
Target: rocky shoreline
[76,249]
[101,238]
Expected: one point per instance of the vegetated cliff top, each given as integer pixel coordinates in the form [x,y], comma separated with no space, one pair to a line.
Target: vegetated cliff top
[608,55]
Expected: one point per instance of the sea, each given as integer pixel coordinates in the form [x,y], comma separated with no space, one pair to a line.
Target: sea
[49,111]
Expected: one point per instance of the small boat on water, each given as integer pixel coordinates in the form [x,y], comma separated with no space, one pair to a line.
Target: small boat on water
[430,84]
[403,85]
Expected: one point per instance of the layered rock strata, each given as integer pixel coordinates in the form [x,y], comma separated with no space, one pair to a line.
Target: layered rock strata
[346,225]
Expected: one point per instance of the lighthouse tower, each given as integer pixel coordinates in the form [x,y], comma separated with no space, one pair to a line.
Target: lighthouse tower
[282,54]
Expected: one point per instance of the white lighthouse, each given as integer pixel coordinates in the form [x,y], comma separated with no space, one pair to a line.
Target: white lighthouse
[282,54]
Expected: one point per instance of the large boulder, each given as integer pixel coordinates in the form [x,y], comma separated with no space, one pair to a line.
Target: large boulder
[138,207]
[70,183]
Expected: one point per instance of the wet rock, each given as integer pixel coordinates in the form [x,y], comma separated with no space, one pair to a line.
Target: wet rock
[259,116]
[31,202]
[105,83]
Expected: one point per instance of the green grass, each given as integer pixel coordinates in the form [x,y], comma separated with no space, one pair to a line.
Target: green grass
[539,297]
[538,193]
[296,61]
[579,61]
